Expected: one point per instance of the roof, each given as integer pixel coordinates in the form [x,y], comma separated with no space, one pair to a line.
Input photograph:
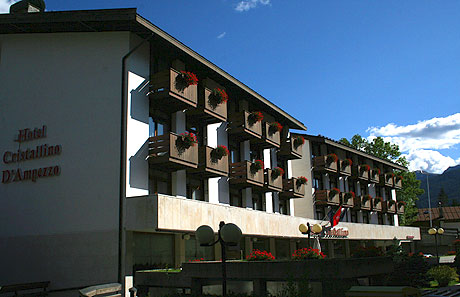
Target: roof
[450,213]
[329,141]
[127,19]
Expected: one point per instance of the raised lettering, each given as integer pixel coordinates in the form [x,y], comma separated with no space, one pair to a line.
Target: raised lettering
[7,160]
[17,175]
[57,170]
[6,176]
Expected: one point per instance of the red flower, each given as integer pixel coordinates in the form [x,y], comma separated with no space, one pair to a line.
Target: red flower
[277,171]
[190,78]
[257,255]
[298,141]
[301,180]
[332,158]
[307,253]
[275,127]
[255,116]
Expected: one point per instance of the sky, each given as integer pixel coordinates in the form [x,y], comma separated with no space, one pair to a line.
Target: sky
[375,68]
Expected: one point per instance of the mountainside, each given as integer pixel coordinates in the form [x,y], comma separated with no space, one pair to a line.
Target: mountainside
[449,180]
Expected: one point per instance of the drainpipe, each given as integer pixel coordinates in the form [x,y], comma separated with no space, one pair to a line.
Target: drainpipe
[122,197]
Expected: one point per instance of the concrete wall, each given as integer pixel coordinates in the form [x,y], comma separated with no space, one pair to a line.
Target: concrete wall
[62,228]
[302,167]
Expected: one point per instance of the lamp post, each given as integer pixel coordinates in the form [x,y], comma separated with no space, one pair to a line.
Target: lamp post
[228,235]
[435,232]
[309,229]
[429,199]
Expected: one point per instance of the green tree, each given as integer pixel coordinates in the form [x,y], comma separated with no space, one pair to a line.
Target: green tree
[443,199]
[388,151]
[455,202]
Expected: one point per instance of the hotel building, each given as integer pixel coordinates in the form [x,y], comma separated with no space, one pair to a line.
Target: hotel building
[98,176]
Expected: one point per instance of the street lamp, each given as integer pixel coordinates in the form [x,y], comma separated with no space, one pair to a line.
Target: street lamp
[308,229]
[435,232]
[228,235]
[429,199]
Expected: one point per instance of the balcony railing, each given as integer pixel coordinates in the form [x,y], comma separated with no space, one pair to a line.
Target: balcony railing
[168,93]
[347,200]
[242,175]
[273,184]
[324,164]
[210,166]
[362,202]
[389,206]
[360,173]
[386,179]
[374,176]
[397,182]
[290,150]
[242,128]
[164,150]
[377,203]
[326,197]
[292,189]
[344,167]
[208,110]
[400,207]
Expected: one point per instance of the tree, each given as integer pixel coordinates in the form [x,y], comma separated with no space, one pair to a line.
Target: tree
[455,202]
[388,151]
[443,199]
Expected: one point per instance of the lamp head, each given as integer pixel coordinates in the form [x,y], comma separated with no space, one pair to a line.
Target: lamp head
[303,228]
[231,233]
[440,231]
[432,231]
[317,228]
[205,235]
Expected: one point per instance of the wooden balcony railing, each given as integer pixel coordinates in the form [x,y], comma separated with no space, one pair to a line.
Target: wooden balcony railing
[242,175]
[389,206]
[209,166]
[292,189]
[273,184]
[326,197]
[347,200]
[400,207]
[242,128]
[386,179]
[324,164]
[362,202]
[377,203]
[361,174]
[397,182]
[290,150]
[168,93]
[374,176]
[208,111]
[164,151]
[344,168]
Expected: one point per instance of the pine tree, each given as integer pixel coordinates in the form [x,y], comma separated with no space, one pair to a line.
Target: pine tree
[443,199]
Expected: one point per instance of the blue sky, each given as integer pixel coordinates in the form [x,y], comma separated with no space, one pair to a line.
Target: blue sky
[375,68]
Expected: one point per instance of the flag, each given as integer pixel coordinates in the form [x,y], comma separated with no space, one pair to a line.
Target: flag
[339,214]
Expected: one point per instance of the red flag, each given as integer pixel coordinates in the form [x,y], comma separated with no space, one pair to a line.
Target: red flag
[336,218]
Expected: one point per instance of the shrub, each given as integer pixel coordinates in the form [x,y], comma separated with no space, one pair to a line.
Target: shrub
[308,253]
[364,252]
[257,255]
[365,168]
[451,253]
[349,195]
[333,192]
[443,274]
[347,162]
[410,270]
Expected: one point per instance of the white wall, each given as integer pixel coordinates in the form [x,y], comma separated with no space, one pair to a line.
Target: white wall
[64,228]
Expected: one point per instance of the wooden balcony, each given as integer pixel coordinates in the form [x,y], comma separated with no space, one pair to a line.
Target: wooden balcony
[347,200]
[397,182]
[389,206]
[362,203]
[289,150]
[386,179]
[374,176]
[164,151]
[242,176]
[321,164]
[325,197]
[168,94]
[270,138]
[292,189]
[207,111]
[273,184]
[344,168]
[377,204]
[241,128]
[360,174]
[400,207]
[209,166]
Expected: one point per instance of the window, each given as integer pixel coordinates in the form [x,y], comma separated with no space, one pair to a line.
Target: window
[236,197]
[284,207]
[351,185]
[257,201]
[365,217]
[320,213]
[195,189]
[378,191]
[364,189]
[354,216]
[159,182]
[157,126]
[380,218]
[391,219]
[317,182]
[333,182]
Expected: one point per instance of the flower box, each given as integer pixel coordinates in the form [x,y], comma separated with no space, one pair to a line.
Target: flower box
[271,136]
[211,165]
[290,148]
[242,128]
[324,164]
[389,206]
[243,174]
[397,181]
[344,167]
[362,202]
[400,206]
[377,204]
[361,172]
[327,197]
[273,182]
[169,93]
[164,150]
[208,109]
[348,199]
[292,188]
[374,175]
[386,179]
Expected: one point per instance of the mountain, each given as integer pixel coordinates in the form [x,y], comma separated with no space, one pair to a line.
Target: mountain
[449,180]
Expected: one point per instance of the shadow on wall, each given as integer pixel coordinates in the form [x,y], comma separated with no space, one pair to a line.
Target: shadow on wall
[140,103]
[138,166]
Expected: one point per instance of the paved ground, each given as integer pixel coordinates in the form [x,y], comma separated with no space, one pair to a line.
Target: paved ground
[447,259]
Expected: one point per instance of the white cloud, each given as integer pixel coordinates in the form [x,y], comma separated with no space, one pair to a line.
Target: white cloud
[5,5]
[221,35]
[420,141]
[249,4]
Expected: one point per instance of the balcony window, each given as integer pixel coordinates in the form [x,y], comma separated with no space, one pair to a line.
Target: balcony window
[195,189]
[236,197]
[157,127]
[333,182]
[284,207]
[364,189]
[257,201]
[365,217]
[380,218]
[351,185]
[354,216]
[391,219]
[320,213]
[317,182]
[159,182]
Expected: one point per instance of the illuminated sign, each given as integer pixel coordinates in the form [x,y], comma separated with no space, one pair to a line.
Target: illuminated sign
[25,154]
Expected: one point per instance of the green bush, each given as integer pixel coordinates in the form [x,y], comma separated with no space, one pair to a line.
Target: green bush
[410,270]
[443,274]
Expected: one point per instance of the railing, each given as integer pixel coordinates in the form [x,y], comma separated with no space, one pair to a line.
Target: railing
[377,204]
[164,150]
[207,109]
[322,163]
[361,202]
[165,84]
[293,189]
[374,176]
[272,137]
[360,173]
[389,206]
[344,169]
[327,197]
[386,179]
[400,208]
[241,173]
[274,184]
[289,150]
[210,165]
[242,127]
[347,200]
[102,290]
[397,182]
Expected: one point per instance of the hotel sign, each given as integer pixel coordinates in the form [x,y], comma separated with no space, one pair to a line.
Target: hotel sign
[31,153]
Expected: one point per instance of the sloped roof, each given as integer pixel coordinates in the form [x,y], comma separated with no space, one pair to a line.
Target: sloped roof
[450,213]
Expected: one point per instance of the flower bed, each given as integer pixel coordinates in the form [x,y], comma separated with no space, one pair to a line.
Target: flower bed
[307,253]
[257,255]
